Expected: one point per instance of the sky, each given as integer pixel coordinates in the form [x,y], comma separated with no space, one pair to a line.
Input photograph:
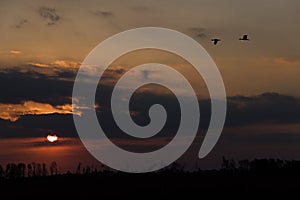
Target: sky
[43,43]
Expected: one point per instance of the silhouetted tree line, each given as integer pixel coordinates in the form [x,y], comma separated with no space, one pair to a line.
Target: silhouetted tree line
[22,170]
[257,166]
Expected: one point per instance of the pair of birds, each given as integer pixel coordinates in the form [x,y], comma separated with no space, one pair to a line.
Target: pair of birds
[216,40]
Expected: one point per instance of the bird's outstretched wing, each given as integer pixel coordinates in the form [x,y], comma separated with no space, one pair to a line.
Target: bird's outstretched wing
[215,40]
[244,37]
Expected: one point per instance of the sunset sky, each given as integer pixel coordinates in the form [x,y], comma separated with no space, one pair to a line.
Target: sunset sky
[43,43]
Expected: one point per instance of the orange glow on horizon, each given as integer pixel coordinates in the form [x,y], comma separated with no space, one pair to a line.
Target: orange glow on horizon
[52,138]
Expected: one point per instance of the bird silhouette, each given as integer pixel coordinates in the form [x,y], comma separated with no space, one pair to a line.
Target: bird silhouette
[215,40]
[245,37]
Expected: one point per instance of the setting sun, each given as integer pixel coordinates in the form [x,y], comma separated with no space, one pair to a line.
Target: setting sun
[52,137]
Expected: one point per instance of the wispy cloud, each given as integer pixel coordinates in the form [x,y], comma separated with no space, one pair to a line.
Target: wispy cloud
[280,61]
[21,23]
[38,64]
[67,64]
[15,52]
[13,112]
[101,13]
[286,61]
[49,15]
[199,32]
[58,65]
[265,108]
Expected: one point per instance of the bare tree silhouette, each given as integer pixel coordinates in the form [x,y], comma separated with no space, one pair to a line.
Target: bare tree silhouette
[53,168]
[44,170]
[244,165]
[33,168]
[78,170]
[29,170]
[11,170]
[1,172]
[38,169]
[228,164]
[21,167]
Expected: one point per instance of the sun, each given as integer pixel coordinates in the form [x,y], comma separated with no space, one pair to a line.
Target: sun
[52,138]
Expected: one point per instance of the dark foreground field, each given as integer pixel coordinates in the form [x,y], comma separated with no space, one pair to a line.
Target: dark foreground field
[234,184]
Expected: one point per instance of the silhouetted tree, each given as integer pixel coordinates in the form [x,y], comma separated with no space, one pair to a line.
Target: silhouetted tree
[176,167]
[53,168]
[29,170]
[33,168]
[11,170]
[292,166]
[44,170]
[228,164]
[244,165]
[87,170]
[78,170]
[266,165]
[21,170]
[225,163]
[38,170]
[1,172]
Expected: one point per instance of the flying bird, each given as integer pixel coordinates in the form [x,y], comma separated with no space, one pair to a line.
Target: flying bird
[245,37]
[215,40]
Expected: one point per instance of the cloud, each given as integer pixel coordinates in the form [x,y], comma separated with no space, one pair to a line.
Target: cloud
[38,126]
[67,64]
[281,61]
[286,61]
[21,23]
[17,86]
[38,64]
[49,15]
[112,74]
[56,68]
[13,112]
[15,52]
[100,13]
[265,108]
[198,32]
[58,64]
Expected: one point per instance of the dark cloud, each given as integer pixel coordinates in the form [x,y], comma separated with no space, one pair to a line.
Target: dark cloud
[199,32]
[264,108]
[112,74]
[109,16]
[101,13]
[267,108]
[263,137]
[38,126]
[49,15]
[21,23]
[16,87]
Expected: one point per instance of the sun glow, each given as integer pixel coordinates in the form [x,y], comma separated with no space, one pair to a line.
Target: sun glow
[52,138]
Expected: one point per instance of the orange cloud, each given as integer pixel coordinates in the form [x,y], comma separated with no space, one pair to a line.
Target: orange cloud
[38,64]
[286,61]
[67,64]
[58,64]
[13,112]
[14,52]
